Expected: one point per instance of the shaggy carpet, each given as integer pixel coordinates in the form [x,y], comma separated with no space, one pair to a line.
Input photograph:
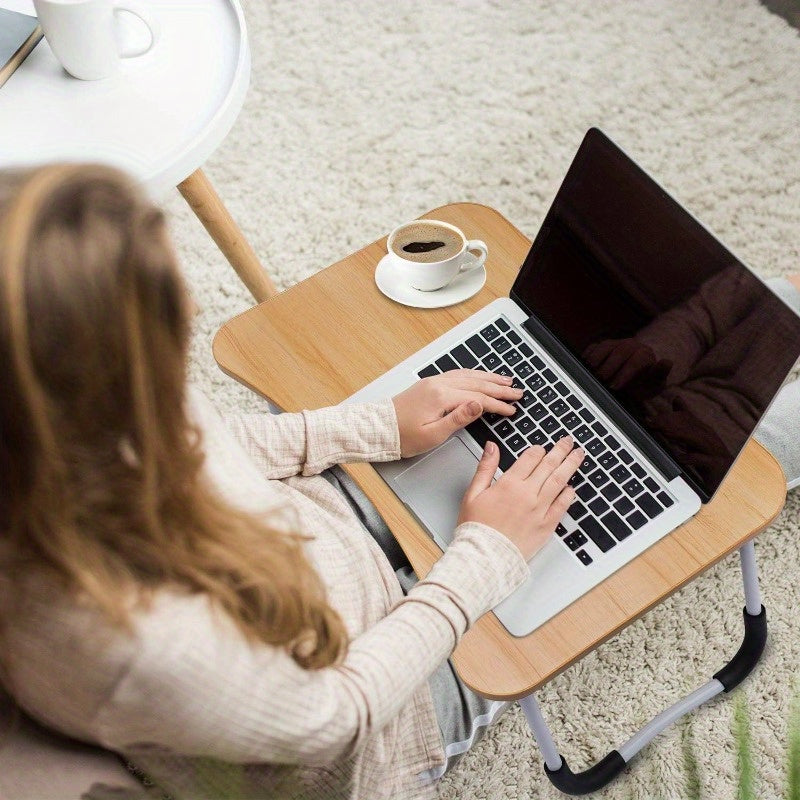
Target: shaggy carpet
[363,115]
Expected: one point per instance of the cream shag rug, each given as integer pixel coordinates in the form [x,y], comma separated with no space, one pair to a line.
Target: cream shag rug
[362,115]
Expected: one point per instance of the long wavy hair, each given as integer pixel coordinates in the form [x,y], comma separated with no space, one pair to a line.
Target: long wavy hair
[101,472]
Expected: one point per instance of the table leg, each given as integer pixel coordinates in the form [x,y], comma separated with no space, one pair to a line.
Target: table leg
[210,210]
[730,676]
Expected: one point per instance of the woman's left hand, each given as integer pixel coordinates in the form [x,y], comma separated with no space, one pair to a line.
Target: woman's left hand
[433,408]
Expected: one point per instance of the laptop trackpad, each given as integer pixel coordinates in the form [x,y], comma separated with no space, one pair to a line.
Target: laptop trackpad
[434,487]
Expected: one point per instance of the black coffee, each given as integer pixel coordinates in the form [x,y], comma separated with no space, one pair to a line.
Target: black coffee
[427,242]
[422,247]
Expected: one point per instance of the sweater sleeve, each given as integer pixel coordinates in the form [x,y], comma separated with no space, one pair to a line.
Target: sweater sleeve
[200,689]
[309,442]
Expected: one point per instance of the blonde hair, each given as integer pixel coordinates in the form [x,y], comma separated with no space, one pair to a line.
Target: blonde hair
[101,479]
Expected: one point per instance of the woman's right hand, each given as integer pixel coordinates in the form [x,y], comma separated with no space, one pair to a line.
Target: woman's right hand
[528,500]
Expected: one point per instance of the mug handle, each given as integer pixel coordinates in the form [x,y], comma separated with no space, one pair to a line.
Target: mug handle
[138,10]
[477,261]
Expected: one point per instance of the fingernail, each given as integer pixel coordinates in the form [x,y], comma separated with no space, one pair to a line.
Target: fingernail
[474,407]
[488,449]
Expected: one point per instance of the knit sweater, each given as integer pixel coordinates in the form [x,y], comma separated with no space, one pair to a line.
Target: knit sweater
[205,713]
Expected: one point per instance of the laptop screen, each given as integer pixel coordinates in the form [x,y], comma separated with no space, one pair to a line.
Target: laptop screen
[681,333]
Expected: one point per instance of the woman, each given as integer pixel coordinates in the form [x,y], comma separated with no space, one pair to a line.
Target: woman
[190,593]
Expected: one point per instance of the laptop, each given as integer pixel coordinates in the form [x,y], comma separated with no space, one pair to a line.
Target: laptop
[632,328]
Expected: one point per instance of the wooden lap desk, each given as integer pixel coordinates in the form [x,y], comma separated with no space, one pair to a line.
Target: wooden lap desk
[318,342]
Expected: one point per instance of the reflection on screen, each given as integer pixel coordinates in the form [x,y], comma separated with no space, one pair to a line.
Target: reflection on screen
[686,338]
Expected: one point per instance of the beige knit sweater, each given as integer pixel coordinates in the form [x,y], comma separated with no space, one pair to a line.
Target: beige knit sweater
[208,715]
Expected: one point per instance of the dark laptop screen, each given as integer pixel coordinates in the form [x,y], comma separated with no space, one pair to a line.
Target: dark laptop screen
[684,336]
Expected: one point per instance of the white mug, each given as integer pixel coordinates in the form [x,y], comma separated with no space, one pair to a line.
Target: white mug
[427,276]
[81,34]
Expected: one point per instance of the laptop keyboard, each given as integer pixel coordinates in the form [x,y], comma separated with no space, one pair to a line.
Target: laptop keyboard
[616,495]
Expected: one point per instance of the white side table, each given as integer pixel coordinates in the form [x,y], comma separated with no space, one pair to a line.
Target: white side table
[160,118]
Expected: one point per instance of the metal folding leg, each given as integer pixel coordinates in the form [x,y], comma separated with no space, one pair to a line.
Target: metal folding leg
[730,676]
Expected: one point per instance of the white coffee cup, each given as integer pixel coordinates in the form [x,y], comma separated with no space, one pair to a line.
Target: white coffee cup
[82,35]
[429,275]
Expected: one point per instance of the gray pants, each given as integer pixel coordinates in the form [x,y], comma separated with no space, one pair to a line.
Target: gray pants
[464,716]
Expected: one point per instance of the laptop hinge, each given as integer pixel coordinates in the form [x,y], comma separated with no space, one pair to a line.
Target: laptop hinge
[609,405]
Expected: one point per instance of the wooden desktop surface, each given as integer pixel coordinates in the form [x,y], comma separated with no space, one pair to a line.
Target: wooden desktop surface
[326,337]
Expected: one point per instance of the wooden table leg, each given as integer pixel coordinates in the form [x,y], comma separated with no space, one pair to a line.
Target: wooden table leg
[206,203]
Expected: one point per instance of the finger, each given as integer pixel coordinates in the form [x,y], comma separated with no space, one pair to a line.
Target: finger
[456,376]
[559,507]
[549,464]
[527,462]
[635,364]
[560,476]
[491,405]
[486,383]
[615,363]
[487,467]
[455,420]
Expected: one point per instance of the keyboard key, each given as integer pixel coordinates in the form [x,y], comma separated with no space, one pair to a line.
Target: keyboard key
[490,332]
[481,432]
[587,415]
[559,434]
[586,492]
[576,480]
[549,375]
[464,357]
[636,520]
[575,540]
[620,474]
[502,324]
[599,429]
[664,499]
[559,408]
[613,443]
[582,434]
[651,484]
[608,460]
[547,395]
[501,345]
[633,487]
[584,557]
[577,510]
[537,362]
[549,424]
[611,491]
[587,465]
[516,415]
[516,442]
[517,384]
[504,370]
[492,419]
[595,447]
[537,437]
[514,337]
[623,505]
[592,528]
[507,458]
[598,506]
[561,530]
[525,425]
[492,362]
[537,411]
[513,357]
[505,429]
[571,420]
[445,363]
[524,369]
[527,399]
[649,505]
[625,456]
[536,381]
[598,478]
[573,401]
[637,470]
[616,525]
[428,371]
[478,346]
[561,388]
[525,350]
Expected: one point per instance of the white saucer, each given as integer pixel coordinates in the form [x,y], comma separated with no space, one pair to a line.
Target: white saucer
[462,288]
